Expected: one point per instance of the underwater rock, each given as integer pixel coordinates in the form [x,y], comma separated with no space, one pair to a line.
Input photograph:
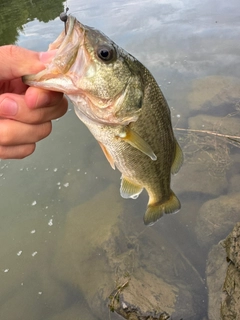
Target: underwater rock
[216,217]
[213,92]
[98,252]
[215,275]
[223,125]
[232,246]
[234,185]
[230,308]
[139,296]
[223,278]
[200,175]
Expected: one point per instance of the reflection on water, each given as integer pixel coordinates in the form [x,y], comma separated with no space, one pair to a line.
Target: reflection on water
[65,232]
[14,14]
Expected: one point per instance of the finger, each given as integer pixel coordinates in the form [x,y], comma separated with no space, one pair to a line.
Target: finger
[13,86]
[14,133]
[14,107]
[38,98]
[16,152]
[19,61]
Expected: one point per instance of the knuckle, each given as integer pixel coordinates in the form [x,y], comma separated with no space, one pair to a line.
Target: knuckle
[5,133]
[17,152]
[26,150]
[44,130]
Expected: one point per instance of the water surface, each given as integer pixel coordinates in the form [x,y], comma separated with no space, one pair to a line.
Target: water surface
[180,41]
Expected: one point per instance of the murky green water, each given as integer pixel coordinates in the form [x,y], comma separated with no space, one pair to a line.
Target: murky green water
[49,261]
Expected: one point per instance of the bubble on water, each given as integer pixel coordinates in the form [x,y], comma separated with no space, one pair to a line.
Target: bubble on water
[19,253]
[78,170]
[40,292]
[34,203]
[33,231]
[55,169]
[6,270]
[50,222]
[34,253]
[178,115]
[66,184]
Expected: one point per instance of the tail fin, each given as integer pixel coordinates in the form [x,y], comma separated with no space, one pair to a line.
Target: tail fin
[156,210]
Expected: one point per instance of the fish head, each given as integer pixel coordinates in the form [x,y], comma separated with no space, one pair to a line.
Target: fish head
[102,80]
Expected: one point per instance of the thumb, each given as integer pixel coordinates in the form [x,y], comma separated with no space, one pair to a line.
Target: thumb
[17,61]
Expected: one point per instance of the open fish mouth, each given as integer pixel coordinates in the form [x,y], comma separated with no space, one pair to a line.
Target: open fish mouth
[69,61]
[92,81]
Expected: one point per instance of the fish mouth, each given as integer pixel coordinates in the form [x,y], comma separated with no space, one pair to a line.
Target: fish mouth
[69,67]
[59,74]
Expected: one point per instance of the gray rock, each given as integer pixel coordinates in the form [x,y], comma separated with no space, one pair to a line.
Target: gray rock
[213,92]
[230,308]
[215,274]
[200,174]
[98,253]
[216,218]
[223,125]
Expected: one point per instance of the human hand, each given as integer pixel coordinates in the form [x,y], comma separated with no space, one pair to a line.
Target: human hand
[25,112]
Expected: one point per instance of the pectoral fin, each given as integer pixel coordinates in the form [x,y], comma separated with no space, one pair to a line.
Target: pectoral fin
[107,155]
[137,142]
[129,189]
[178,160]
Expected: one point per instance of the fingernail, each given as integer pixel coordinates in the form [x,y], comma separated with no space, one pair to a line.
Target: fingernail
[8,107]
[47,56]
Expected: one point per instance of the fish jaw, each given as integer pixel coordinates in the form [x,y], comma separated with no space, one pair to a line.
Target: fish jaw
[59,74]
[110,95]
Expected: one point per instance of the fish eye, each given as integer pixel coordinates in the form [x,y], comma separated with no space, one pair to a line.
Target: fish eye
[105,53]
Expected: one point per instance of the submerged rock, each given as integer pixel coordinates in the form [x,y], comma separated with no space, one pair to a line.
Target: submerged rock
[214,92]
[230,308]
[216,217]
[200,174]
[142,296]
[223,278]
[215,274]
[103,258]
[223,125]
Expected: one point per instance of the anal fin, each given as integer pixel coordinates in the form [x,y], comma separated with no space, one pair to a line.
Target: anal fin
[129,189]
[107,155]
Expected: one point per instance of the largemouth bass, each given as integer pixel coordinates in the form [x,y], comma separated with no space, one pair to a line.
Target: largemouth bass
[122,105]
